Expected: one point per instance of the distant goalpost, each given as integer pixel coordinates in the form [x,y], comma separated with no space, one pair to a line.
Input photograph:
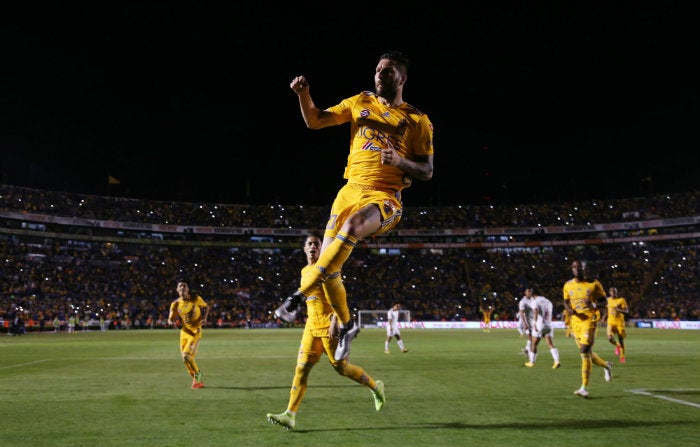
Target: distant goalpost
[377,318]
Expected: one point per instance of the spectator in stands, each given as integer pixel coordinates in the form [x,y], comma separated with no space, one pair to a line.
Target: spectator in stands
[17,327]
[391,144]
[617,309]
[320,335]
[581,300]
[192,311]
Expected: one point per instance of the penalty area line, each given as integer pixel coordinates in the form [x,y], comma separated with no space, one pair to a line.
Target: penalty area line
[661,396]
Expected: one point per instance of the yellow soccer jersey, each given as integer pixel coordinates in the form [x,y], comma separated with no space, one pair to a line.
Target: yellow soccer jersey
[318,309]
[190,312]
[615,317]
[373,127]
[583,296]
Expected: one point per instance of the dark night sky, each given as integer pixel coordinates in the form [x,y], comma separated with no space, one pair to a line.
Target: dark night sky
[530,101]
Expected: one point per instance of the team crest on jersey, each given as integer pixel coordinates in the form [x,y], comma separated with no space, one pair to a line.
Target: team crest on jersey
[364,113]
[386,114]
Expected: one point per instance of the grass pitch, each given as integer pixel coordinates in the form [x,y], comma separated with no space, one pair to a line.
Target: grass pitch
[454,387]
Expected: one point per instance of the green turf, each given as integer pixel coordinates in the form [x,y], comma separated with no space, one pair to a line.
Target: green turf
[454,388]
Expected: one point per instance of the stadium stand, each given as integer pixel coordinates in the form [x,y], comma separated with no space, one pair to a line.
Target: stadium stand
[92,256]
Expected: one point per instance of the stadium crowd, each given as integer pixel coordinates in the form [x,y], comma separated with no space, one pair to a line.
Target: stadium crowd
[86,206]
[46,276]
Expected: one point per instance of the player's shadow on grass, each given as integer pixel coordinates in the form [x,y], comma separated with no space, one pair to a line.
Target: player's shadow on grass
[571,423]
[285,387]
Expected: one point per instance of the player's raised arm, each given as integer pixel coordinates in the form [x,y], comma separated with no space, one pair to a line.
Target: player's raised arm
[314,117]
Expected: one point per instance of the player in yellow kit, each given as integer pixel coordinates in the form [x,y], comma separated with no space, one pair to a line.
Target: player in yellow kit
[320,335]
[486,311]
[192,311]
[581,300]
[391,144]
[617,309]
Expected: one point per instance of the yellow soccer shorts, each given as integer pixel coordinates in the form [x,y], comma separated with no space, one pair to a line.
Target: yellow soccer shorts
[584,329]
[189,342]
[617,329]
[313,344]
[353,197]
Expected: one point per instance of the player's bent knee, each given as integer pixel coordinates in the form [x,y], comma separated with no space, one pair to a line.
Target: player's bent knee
[340,367]
[303,368]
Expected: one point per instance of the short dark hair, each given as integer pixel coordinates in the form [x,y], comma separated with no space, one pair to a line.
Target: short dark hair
[312,234]
[398,57]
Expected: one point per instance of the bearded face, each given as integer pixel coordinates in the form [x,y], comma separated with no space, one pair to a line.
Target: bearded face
[388,79]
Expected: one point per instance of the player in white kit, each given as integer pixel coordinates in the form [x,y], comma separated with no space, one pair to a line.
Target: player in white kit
[526,322]
[543,310]
[392,329]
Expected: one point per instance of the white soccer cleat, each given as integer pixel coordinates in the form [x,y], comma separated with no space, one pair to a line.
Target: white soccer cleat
[285,419]
[608,371]
[344,339]
[581,392]
[288,310]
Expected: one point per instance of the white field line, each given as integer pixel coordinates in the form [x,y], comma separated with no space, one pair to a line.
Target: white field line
[20,365]
[670,399]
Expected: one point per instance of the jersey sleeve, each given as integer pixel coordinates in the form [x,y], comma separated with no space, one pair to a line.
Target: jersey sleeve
[173,310]
[342,112]
[422,143]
